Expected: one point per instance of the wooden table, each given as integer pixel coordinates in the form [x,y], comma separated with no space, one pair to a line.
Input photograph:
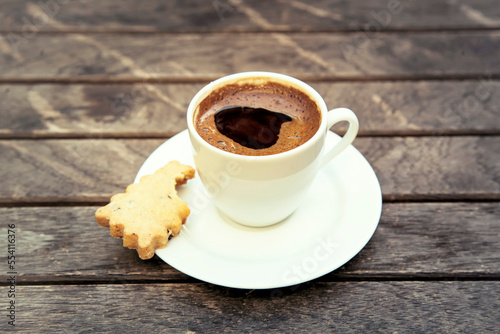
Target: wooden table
[89,89]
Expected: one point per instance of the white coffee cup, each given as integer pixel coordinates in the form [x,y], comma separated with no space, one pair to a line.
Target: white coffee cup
[263,190]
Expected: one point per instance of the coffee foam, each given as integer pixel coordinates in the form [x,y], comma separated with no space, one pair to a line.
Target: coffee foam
[271,94]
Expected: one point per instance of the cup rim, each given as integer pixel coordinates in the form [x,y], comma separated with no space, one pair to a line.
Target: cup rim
[311,92]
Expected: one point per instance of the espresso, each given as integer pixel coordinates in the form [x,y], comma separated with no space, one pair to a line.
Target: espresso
[255,128]
[257,119]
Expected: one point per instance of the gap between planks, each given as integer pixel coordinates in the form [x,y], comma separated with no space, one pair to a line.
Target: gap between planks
[256,30]
[103,200]
[472,277]
[206,79]
[166,136]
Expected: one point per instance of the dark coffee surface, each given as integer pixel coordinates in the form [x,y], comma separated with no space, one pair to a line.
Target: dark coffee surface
[255,128]
[252,119]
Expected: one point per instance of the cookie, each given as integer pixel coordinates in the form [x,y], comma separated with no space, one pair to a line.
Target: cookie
[149,212]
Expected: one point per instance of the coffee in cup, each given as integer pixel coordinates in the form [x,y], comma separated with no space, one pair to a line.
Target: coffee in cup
[257,118]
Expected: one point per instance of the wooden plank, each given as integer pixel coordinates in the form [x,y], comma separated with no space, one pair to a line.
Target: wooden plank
[432,240]
[70,170]
[340,307]
[358,56]
[442,168]
[409,168]
[95,110]
[254,15]
[425,240]
[149,110]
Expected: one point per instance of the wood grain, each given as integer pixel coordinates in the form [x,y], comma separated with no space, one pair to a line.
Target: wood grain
[73,170]
[413,241]
[158,110]
[408,168]
[427,168]
[254,15]
[340,307]
[106,57]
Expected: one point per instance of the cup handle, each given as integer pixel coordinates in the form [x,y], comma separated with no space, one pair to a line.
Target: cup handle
[335,116]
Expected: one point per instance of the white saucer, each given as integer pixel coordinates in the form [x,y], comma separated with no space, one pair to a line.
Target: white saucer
[335,222]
